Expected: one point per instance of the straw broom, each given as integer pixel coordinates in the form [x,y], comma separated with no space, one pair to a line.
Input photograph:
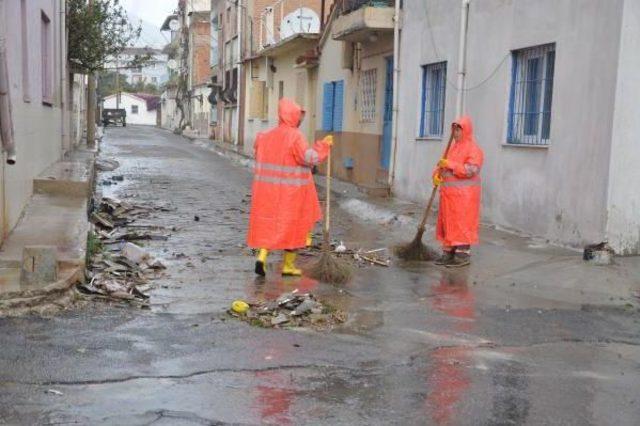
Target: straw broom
[416,250]
[329,268]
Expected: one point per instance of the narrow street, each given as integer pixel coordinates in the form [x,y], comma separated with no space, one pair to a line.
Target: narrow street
[422,345]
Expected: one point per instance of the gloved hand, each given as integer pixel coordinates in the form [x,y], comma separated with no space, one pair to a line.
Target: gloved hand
[328,140]
[443,163]
[437,180]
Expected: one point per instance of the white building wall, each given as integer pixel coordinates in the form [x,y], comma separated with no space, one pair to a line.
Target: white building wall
[558,192]
[623,231]
[127,102]
[38,126]
[170,116]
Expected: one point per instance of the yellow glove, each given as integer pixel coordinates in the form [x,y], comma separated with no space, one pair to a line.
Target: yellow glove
[443,163]
[328,140]
[437,180]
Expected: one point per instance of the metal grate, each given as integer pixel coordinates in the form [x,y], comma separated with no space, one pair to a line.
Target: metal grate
[368,85]
[531,95]
[434,78]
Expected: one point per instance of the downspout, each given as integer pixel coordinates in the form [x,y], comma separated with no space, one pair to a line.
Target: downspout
[63,77]
[462,57]
[240,86]
[396,97]
[6,121]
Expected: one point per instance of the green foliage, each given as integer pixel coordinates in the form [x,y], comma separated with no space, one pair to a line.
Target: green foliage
[107,84]
[94,245]
[97,32]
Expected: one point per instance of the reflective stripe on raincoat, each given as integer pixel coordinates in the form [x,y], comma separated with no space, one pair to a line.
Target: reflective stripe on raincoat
[284,202]
[459,212]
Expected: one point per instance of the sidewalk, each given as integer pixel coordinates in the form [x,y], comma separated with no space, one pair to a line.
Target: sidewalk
[55,216]
[543,272]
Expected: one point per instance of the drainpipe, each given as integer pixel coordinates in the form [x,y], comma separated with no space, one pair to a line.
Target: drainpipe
[6,122]
[462,57]
[396,97]
[239,85]
[63,76]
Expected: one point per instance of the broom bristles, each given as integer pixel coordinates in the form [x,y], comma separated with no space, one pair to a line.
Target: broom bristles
[415,250]
[331,270]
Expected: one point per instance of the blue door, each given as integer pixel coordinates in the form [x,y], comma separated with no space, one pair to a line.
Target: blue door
[387,119]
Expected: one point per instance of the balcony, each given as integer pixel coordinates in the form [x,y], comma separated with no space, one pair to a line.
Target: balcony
[359,20]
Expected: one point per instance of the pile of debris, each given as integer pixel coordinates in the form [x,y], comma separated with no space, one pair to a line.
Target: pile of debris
[292,310]
[360,257]
[117,268]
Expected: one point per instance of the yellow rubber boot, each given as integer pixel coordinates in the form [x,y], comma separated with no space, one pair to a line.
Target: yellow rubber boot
[309,242]
[289,267]
[261,262]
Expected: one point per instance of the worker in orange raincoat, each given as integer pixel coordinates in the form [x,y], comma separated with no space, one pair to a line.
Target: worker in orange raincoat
[458,177]
[284,203]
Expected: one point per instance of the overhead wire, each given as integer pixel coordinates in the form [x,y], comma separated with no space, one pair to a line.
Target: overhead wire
[439,57]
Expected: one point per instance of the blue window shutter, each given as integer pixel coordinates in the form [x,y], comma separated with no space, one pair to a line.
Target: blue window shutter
[327,107]
[338,105]
[423,103]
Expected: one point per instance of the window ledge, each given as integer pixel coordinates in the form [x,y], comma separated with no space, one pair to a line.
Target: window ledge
[525,146]
[428,138]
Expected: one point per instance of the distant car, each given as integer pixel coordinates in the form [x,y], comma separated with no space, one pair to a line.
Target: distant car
[114,116]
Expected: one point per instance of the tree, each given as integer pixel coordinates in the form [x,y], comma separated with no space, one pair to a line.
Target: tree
[98,30]
[107,84]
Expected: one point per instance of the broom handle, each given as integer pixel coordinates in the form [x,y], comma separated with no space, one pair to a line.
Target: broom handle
[425,216]
[327,224]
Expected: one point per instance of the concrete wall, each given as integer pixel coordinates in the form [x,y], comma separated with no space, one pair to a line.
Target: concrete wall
[558,192]
[127,102]
[38,126]
[623,230]
[359,140]
[170,116]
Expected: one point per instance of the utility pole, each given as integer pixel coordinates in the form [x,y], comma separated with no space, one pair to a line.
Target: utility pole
[91,103]
[117,81]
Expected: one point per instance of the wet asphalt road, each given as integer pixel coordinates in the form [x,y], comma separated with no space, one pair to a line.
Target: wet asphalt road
[422,346]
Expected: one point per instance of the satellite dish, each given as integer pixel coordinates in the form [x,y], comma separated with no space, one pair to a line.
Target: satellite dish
[174,25]
[300,21]
[172,64]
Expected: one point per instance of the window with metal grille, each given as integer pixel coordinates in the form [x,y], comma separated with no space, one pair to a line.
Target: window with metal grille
[134,109]
[434,79]
[531,95]
[368,85]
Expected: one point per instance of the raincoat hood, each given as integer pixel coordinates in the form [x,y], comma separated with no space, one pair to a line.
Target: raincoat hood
[467,128]
[289,112]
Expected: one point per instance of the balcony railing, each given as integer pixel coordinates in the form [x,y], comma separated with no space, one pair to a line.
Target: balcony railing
[348,6]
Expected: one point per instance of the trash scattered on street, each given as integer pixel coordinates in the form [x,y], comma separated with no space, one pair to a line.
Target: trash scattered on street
[239,306]
[121,270]
[292,310]
[107,165]
[361,257]
[54,392]
[598,254]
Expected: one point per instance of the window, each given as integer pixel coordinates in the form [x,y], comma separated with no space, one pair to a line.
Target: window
[531,95]
[368,85]
[280,90]
[26,90]
[45,52]
[259,106]
[434,82]
[332,106]
[134,109]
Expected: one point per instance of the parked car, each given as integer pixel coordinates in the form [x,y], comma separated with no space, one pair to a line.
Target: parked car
[114,116]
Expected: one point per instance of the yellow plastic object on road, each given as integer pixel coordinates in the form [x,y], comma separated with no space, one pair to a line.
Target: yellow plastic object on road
[240,307]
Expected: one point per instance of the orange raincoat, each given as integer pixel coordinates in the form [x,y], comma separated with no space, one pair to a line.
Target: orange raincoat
[459,212]
[284,203]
